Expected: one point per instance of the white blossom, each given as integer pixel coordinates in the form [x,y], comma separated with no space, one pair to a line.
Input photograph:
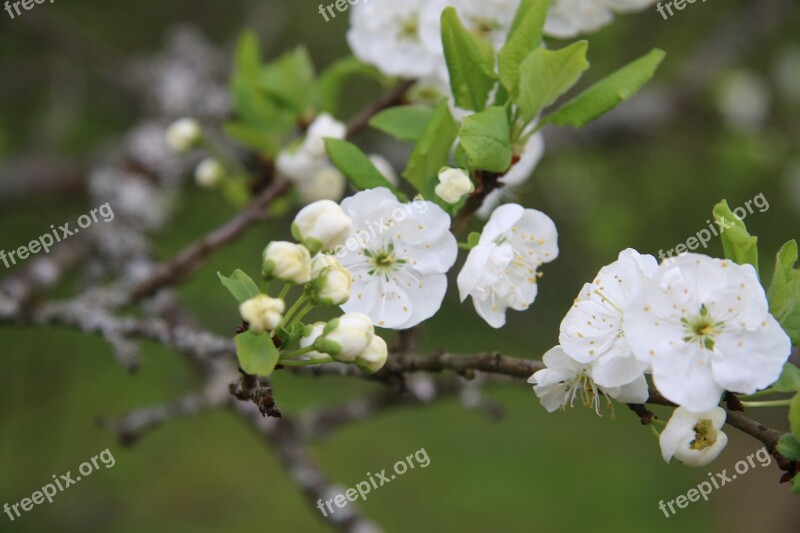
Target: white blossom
[704,326]
[183,134]
[374,357]
[209,173]
[322,225]
[262,313]
[454,184]
[323,127]
[501,271]
[592,330]
[695,439]
[565,379]
[311,334]
[385,168]
[287,261]
[398,255]
[570,18]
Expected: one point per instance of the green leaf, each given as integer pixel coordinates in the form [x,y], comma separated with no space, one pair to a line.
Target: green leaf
[789,380]
[333,79]
[608,93]
[784,268]
[524,37]
[357,167]
[789,446]
[432,151]
[405,123]
[794,416]
[784,291]
[473,239]
[545,75]
[240,285]
[739,246]
[485,137]
[256,352]
[290,81]
[470,62]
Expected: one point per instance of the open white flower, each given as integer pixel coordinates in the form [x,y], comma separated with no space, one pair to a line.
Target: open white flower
[704,325]
[398,255]
[517,175]
[183,134]
[347,337]
[592,330]
[453,184]
[564,379]
[322,225]
[287,261]
[501,271]
[695,439]
[386,34]
[262,313]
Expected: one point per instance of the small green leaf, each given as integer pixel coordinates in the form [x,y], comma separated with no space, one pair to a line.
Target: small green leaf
[738,244]
[794,416]
[789,380]
[784,268]
[240,285]
[485,137]
[256,352]
[405,123]
[608,93]
[357,167]
[789,447]
[784,291]
[290,80]
[432,152]
[524,37]
[546,74]
[470,62]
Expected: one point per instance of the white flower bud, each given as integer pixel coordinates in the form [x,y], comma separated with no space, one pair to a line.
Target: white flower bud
[695,439]
[454,183]
[347,337]
[331,281]
[209,173]
[312,333]
[322,225]
[262,313]
[183,134]
[287,261]
[374,357]
[324,127]
[326,183]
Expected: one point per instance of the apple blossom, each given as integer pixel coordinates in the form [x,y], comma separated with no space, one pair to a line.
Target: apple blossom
[592,330]
[704,325]
[398,255]
[501,271]
[454,184]
[286,261]
[565,378]
[322,225]
[695,439]
[262,313]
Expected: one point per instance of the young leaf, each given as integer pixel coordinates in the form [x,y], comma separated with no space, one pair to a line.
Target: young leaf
[547,74]
[784,292]
[789,380]
[240,285]
[739,246]
[608,93]
[405,123]
[789,446]
[432,151]
[485,137]
[256,352]
[290,81]
[357,167]
[470,62]
[524,37]
[794,416]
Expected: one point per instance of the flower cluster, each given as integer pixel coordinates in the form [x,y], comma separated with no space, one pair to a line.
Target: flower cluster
[700,326]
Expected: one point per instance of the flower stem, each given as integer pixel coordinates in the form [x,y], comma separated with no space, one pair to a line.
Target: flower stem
[296,353]
[654,430]
[464,246]
[285,291]
[773,403]
[295,307]
[309,306]
[307,363]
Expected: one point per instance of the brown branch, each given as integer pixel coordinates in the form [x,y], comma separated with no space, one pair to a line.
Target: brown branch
[464,365]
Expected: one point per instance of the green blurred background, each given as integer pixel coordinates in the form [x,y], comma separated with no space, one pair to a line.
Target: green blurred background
[649,189]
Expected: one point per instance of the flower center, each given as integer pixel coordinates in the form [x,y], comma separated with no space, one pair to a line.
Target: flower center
[383,261]
[702,329]
[409,29]
[704,435]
